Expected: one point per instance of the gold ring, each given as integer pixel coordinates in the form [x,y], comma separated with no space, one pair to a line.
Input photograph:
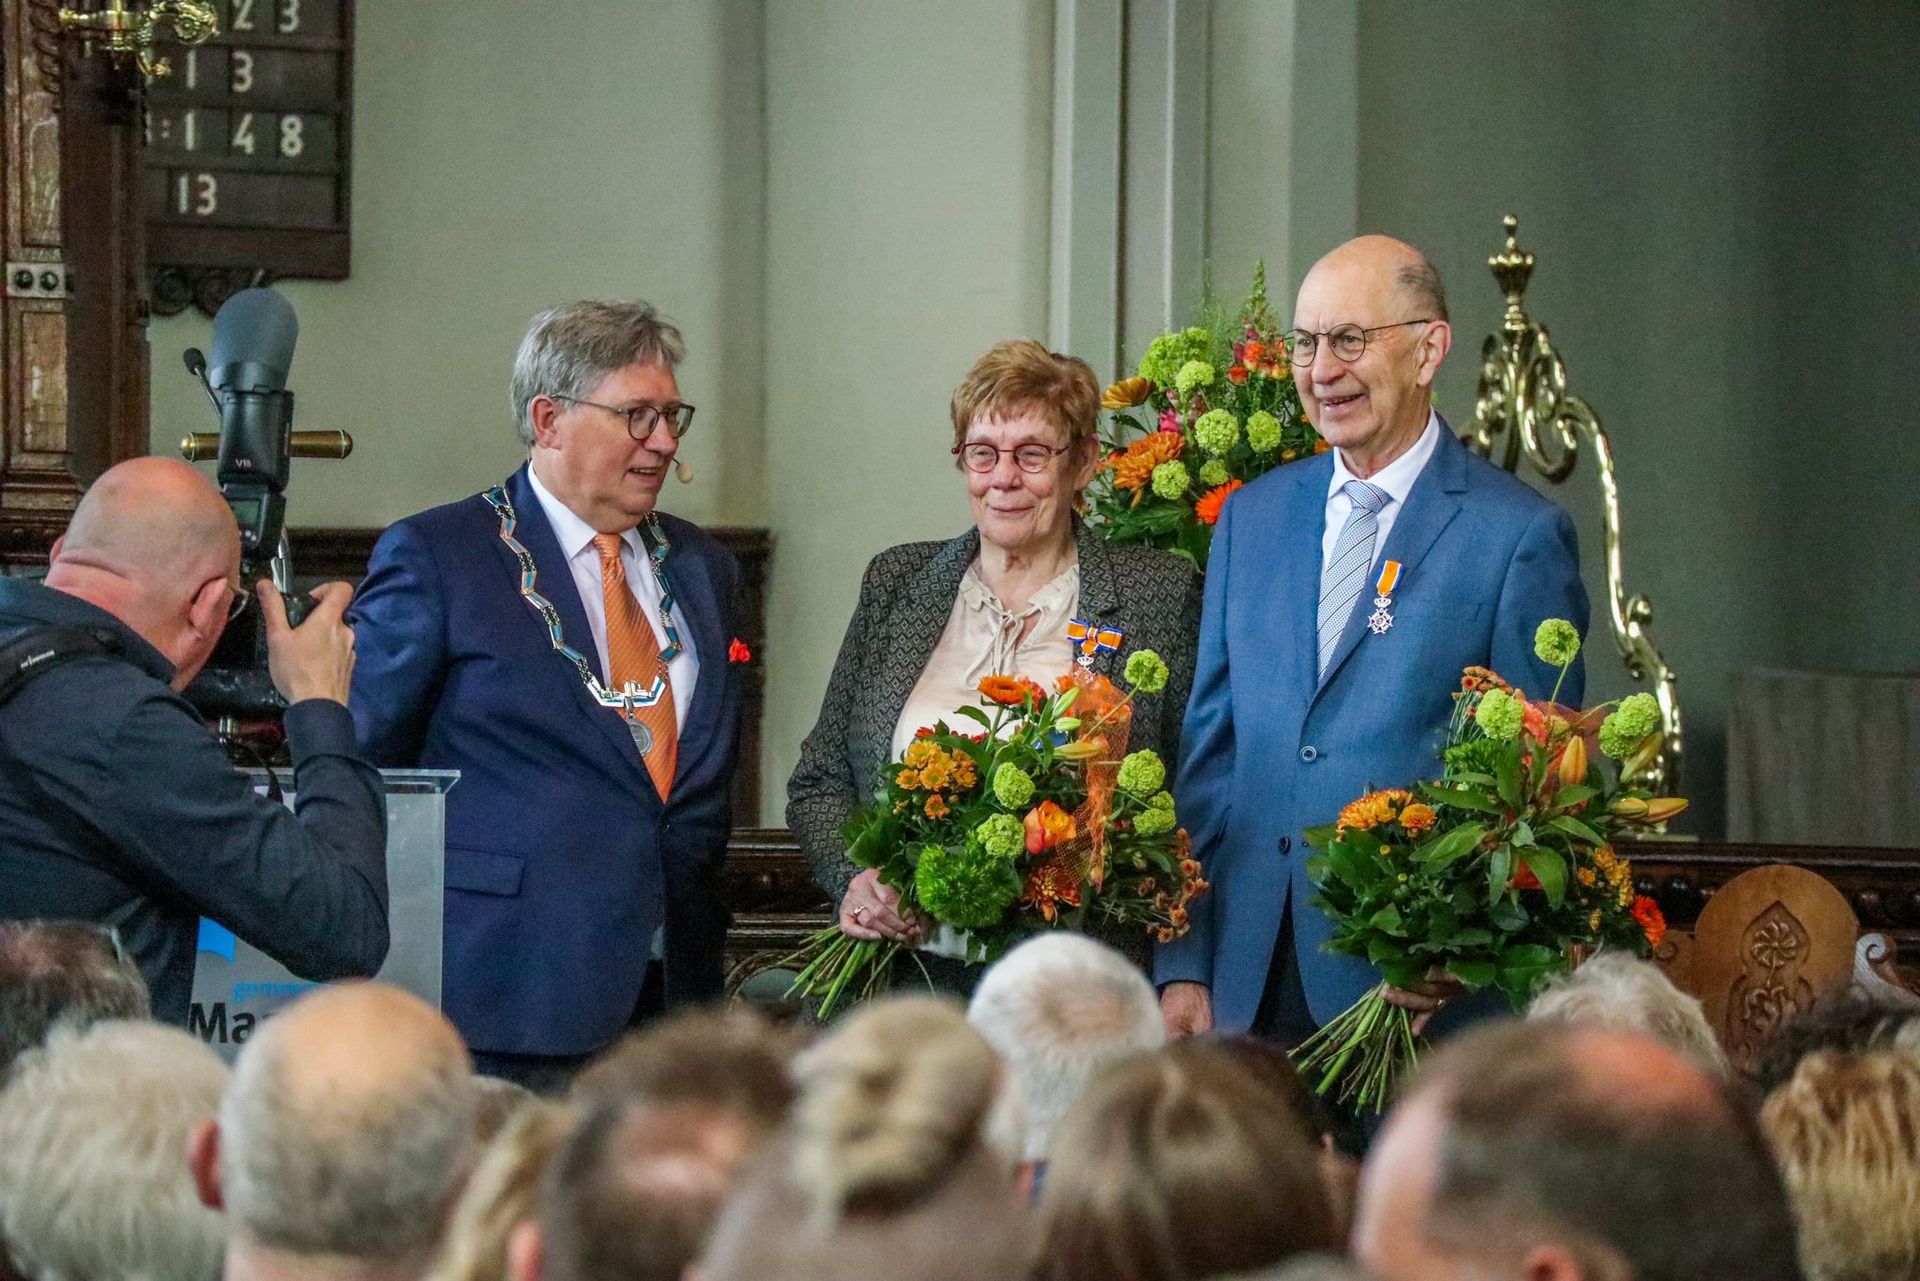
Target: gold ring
[860,911]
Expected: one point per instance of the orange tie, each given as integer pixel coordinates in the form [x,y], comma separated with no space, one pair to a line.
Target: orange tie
[633,654]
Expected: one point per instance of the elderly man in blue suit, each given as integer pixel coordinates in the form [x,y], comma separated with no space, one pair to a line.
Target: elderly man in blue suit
[1344,596]
[566,648]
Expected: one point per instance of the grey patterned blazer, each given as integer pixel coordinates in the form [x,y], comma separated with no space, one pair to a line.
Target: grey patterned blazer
[1152,597]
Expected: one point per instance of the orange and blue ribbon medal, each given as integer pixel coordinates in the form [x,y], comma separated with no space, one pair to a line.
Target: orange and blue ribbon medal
[1382,616]
[1091,640]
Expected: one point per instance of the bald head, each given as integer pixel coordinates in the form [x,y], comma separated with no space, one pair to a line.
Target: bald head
[349,1125]
[155,521]
[1392,269]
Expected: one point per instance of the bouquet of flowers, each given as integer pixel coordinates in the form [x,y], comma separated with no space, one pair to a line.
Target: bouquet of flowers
[1499,872]
[1039,819]
[1212,407]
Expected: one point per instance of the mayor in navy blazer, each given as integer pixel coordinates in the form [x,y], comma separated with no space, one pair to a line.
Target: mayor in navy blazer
[566,873]
[1272,745]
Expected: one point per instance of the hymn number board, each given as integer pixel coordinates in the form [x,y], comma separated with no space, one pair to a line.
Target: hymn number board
[248,143]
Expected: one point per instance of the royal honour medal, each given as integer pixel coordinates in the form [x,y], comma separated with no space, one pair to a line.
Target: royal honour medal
[1382,617]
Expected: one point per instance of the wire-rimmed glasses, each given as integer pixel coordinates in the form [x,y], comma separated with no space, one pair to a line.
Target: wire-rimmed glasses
[642,419]
[1348,341]
[979,456]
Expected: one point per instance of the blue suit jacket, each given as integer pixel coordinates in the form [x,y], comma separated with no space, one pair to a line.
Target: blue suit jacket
[1268,749]
[561,859]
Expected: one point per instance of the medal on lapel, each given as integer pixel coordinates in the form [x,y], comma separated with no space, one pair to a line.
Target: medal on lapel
[1091,640]
[1382,616]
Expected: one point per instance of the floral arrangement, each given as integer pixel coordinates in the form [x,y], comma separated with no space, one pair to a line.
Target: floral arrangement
[1039,819]
[1212,407]
[1499,873]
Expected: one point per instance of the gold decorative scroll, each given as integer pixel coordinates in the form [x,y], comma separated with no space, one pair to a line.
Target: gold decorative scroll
[122,31]
[1523,408]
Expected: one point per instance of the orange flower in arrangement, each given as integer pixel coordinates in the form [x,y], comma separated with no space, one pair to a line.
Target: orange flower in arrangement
[1417,817]
[907,780]
[1051,884]
[1524,879]
[1047,825]
[1321,446]
[1134,468]
[1011,691]
[1237,374]
[1208,508]
[1126,393]
[1652,920]
[936,806]
[1373,809]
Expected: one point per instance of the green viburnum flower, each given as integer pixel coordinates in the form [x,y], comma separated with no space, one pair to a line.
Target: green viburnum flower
[1168,353]
[1161,801]
[1499,714]
[1141,773]
[1213,472]
[1146,672]
[1626,725]
[1556,642]
[1193,375]
[1152,822]
[968,888]
[1012,786]
[1002,835]
[1263,432]
[1216,431]
[1170,480]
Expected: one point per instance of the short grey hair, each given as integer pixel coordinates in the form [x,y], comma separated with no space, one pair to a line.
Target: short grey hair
[1622,992]
[1059,1010]
[61,973]
[94,1180]
[568,349]
[371,1176]
[1420,279]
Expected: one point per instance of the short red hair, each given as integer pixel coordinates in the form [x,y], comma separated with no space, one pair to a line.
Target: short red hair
[1020,375]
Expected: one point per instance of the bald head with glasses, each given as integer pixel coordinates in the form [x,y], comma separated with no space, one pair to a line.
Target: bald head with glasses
[1369,334]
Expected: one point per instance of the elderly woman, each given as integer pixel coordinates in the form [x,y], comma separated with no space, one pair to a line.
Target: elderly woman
[934,618]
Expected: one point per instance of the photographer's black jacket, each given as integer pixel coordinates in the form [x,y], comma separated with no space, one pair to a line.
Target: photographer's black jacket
[117,806]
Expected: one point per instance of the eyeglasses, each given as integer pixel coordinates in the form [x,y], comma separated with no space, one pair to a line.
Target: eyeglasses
[981,457]
[1349,342]
[642,419]
[238,605]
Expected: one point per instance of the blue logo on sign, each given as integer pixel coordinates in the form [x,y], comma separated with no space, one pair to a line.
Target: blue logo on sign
[215,938]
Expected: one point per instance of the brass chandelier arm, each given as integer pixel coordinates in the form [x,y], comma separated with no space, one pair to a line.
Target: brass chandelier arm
[1522,409]
[123,32]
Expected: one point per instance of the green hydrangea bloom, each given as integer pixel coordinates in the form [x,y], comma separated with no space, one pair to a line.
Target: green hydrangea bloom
[968,888]
[1161,801]
[1263,432]
[1146,672]
[1169,352]
[1626,725]
[1153,822]
[1499,714]
[1556,642]
[1216,431]
[1475,756]
[1170,480]
[1141,773]
[1213,472]
[1002,835]
[1012,786]
[1193,375]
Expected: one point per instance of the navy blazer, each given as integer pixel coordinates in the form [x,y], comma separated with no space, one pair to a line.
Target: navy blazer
[561,859]
[1269,748]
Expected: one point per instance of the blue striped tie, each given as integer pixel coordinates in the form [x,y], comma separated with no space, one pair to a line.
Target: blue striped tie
[1345,575]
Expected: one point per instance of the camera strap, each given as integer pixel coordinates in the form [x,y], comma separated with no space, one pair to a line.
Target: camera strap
[36,650]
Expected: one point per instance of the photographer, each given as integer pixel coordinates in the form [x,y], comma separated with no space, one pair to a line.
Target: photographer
[117,805]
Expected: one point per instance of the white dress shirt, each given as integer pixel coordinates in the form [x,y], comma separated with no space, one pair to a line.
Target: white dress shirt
[1396,479]
[583,559]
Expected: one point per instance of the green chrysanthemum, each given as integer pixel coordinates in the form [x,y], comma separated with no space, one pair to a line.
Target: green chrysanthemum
[1556,642]
[1161,801]
[1167,354]
[1012,786]
[1141,773]
[1193,375]
[1001,835]
[1146,672]
[1499,714]
[1216,431]
[1153,822]
[968,888]
[1214,472]
[1628,724]
[1263,432]
[1170,480]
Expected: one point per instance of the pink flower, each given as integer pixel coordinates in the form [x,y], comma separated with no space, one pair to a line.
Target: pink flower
[1170,421]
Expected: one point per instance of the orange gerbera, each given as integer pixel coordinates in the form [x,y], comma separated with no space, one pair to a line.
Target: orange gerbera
[1208,508]
[1651,918]
[1047,826]
[1373,809]
[1126,393]
[1134,468]
[1010,691]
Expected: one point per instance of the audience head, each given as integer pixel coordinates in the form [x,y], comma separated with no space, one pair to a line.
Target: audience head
[92,1128]
[1853,1019]
[61,973]
[1178,1165]
[1530,1150]
[1846,1131]
[1620,991]
[503,1192]
[347,1132]
[731,1060]
[154,544]
[1040,409]
[1059,1010]
[898,1158]
[1375,315]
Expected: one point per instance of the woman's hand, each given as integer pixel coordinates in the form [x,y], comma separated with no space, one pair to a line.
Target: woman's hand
[871,910]
[1425,999]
